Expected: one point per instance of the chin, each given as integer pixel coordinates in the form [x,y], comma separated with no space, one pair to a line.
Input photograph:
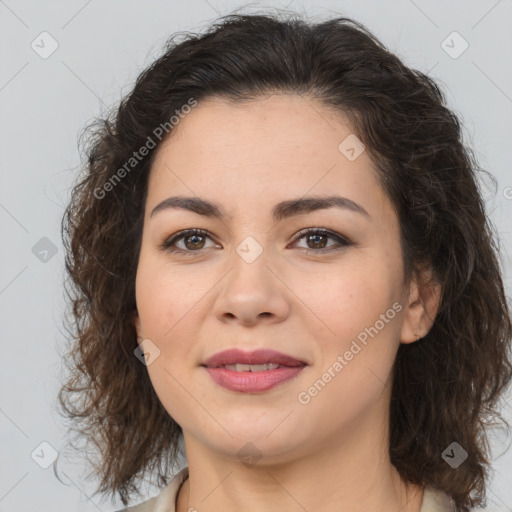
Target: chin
[258,443]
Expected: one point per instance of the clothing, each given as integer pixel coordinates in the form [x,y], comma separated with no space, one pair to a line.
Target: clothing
[433,500]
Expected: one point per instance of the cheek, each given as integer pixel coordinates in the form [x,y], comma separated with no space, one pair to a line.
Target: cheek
[168,303]
[357,352]
[166,298]
[352,299]
[165,306]
[361,309]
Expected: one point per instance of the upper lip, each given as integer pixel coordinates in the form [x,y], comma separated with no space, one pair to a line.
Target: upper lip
[260,356]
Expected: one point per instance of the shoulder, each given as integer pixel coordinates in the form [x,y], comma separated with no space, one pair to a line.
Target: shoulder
[435,500]
[166,500]
[145,506]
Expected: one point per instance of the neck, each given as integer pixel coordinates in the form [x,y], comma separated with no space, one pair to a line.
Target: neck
[351,475]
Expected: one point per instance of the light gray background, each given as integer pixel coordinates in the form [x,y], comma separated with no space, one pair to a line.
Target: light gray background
[103,46]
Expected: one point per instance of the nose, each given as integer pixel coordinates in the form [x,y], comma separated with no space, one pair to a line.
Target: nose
[252,292]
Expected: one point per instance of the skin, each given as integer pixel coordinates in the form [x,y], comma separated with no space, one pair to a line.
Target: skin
[331,454]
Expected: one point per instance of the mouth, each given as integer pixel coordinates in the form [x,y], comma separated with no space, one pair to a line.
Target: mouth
[251,367]
[252,372]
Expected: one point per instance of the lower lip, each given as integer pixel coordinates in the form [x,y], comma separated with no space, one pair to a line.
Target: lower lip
[250,382]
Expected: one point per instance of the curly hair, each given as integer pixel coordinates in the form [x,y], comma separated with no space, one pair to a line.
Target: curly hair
[446,387]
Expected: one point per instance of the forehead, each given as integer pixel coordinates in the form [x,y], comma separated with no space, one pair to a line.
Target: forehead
[275,147]
[283,127]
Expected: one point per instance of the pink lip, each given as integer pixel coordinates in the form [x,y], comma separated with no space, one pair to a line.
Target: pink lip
[260,356]
[250,382]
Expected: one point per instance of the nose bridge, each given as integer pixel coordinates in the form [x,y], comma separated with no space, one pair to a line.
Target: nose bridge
[251,249]
[251,288]
[249,262]
[251,234]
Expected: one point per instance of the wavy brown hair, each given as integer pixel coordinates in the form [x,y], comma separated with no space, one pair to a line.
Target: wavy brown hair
[446,387]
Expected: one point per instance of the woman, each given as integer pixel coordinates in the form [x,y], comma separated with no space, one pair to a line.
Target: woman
[280,256]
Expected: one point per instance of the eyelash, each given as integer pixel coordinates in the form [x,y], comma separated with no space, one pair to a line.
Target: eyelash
[166,245]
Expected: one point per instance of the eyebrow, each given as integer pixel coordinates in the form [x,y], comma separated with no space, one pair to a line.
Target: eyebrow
[280,211]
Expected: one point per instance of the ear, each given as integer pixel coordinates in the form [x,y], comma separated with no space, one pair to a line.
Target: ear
[422,306]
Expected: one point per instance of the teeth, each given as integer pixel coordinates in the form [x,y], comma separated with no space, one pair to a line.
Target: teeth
[251,367]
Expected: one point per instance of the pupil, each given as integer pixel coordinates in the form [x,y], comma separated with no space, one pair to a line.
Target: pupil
[316,236]
[192,237]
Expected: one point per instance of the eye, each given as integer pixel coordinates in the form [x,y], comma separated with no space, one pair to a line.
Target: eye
[194,240]
[318,237]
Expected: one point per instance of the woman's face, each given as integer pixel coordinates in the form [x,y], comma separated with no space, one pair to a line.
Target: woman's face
[253,283]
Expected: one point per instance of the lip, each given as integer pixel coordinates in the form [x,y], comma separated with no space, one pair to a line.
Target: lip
[252,382]
[260,356]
